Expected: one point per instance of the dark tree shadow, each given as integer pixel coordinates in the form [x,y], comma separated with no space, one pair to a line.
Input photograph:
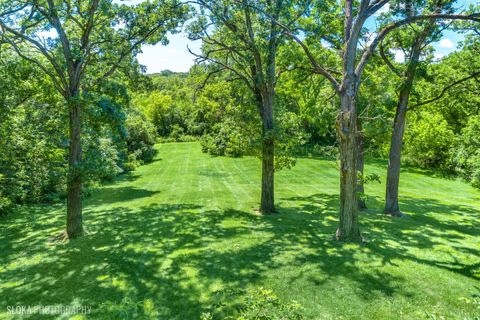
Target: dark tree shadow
[109,195]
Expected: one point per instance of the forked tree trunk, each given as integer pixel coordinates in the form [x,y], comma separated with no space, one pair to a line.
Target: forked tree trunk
[267,203]
[393,173]
[347,131]
[360,166]
[74,183]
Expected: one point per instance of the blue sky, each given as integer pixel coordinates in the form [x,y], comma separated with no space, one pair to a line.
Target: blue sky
[175,56]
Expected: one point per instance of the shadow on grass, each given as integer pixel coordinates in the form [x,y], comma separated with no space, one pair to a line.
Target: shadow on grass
[213,174]
[410,168]
[176,255]
[431,224]
[114,194]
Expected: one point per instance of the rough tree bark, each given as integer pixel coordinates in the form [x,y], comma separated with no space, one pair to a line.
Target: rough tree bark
[347,131]
[265,101]
[393,171]
[74,182]
[394,161]
[346,126]
[360,165]
[267,203]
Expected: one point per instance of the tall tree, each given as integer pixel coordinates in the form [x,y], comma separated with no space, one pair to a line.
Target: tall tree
[245,41]
[413,43]
[88,42]
[346,82]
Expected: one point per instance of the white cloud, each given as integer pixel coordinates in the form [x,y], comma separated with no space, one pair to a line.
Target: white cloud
[446,44]
[438,56]
[174,56]
[383,9]
[52,33]
[325,44]
[399,55]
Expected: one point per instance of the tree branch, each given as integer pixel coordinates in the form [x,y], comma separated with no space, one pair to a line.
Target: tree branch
[316,66]
[39,64]
[225,66]
[387,61]
[392,26]
[445,89]
[39,47]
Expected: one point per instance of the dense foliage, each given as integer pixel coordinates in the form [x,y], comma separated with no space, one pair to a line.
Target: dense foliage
[126,115]
[176,107]
[33,136]
[353,89]
[221,113]
[440,135]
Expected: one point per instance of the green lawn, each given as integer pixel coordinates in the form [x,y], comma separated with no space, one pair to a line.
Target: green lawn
[162,240]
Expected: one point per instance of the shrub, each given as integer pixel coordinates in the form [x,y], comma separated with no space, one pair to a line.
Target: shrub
[290,139]
[101,160]
[32,161]
[177,132]
[225,139]
[260,303]
[128,308]
[5,202]
[429,141]
[182,138]
[467,155]
[140,141]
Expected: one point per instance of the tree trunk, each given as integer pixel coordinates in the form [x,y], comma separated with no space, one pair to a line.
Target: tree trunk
[347,131]
[267,204]
[393,173]
[74,183]
[360,166]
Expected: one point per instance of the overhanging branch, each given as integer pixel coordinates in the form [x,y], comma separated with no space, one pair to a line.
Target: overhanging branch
[392,26]
[442,93]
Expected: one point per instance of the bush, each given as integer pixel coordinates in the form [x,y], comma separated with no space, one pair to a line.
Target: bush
[290,139]
[429,141]
[101,160]
[5,202]
[467,155]
[257,304]
[177,132]
[32,157]
[140,141]
[128,308]
[182,138]
[5,205]
[225,139]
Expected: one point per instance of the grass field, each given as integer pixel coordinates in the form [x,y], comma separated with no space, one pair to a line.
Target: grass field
[162,240]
